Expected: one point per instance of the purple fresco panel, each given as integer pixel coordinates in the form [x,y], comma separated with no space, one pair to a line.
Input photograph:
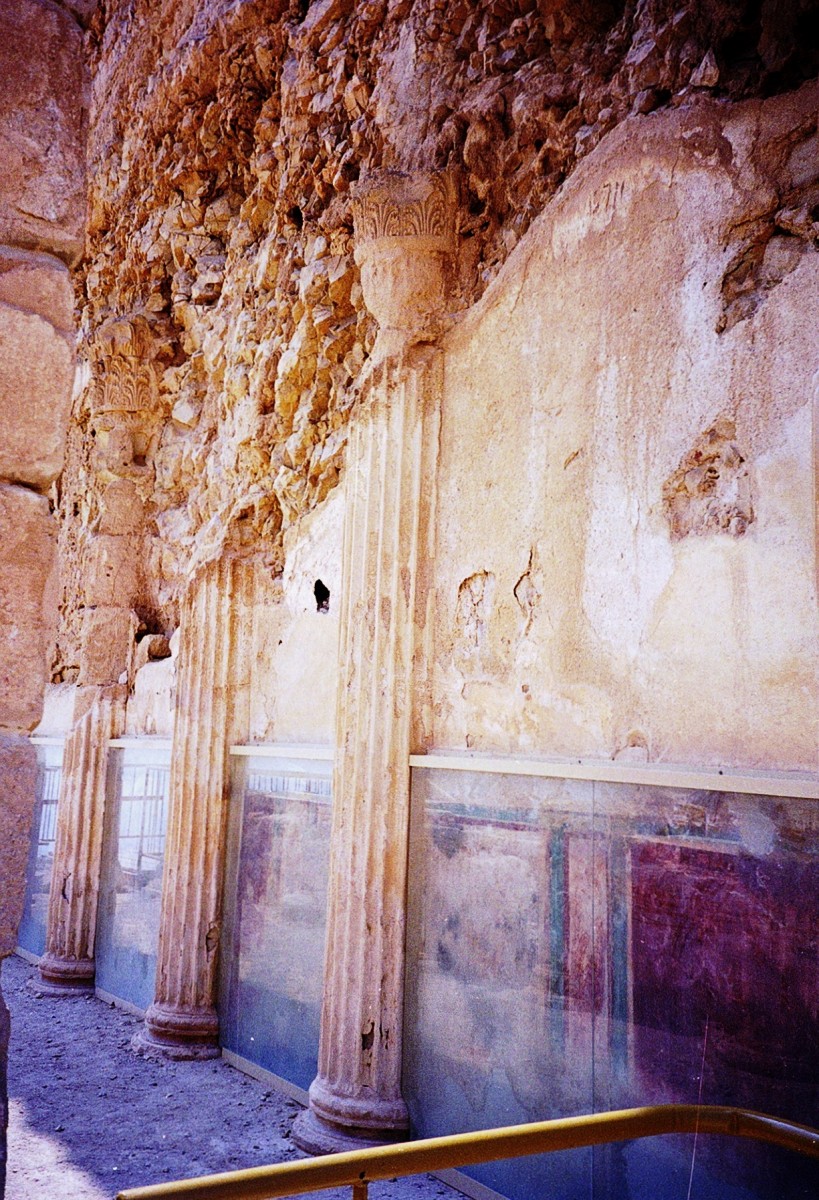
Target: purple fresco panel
[725,937]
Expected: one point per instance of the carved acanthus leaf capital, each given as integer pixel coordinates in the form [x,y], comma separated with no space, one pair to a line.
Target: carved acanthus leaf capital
[405,240]
[124,377]
[391,204]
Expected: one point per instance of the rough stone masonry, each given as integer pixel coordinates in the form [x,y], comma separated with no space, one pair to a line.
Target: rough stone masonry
[42,212]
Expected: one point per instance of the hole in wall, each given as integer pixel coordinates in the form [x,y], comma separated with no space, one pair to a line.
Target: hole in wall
[296,216]
[322,595]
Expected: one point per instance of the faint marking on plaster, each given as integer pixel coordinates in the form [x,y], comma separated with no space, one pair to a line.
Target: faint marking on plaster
[611,199]
[710,491]
[448,837]
[606,199]
[634,749]
[472,614]
[527,593]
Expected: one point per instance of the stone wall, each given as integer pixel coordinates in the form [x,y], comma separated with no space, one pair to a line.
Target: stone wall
[225,143]
[42,132]
[632,572]
[551,271]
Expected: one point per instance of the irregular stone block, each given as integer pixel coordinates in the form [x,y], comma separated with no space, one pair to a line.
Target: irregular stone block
[107,649]
[121,509]
[27,557]
[36,373]
[37,283]
[42,196]
[18,778]
[58,710]
[111,572]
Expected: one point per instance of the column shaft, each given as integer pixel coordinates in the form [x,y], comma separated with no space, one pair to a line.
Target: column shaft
[72,906]
[183,1020]
[357,1092]
[405,239]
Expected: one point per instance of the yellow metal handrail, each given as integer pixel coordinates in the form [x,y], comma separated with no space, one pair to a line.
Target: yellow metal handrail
[358,1168]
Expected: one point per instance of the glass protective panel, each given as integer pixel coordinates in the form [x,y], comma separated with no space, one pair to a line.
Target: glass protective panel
[501,986]
[32,932]
[274,949]
[136,821]
[577,947]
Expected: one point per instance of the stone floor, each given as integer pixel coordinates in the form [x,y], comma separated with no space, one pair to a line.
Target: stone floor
[90,1117]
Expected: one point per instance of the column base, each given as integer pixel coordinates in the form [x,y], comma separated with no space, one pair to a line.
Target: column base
[315,1136]
[65,976]
[333,1124]
[179,1033]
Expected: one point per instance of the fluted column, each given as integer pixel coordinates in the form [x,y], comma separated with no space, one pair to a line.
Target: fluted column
[183,1021]
[405,236]
[68,962]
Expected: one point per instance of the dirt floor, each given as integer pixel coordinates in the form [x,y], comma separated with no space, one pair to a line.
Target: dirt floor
[90,1117]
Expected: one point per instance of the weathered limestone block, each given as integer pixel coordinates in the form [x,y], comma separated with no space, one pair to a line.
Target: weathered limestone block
[38,283]
[107,644]
[111,573]
[83,10]
[36,371]
[58,710]
[27,559]
[18,777]
[121,509]
[150,708]
[42,195]
[72,906]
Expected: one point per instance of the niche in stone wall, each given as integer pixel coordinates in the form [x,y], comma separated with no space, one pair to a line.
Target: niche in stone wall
[322,595]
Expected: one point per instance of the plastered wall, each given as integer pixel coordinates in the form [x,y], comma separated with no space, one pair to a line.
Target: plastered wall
[626,561]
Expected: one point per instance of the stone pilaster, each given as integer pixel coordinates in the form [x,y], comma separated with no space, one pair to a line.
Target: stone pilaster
[68,962]
[183,1021]
[405,240]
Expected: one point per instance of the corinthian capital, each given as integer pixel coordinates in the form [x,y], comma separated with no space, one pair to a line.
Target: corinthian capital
[405,239]
[122,363]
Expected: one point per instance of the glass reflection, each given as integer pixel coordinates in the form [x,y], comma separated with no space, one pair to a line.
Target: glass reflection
[275,959]
[583,946]
[32,932]
[131,883]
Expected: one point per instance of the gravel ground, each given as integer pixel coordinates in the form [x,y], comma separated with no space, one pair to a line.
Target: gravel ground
[89,1116]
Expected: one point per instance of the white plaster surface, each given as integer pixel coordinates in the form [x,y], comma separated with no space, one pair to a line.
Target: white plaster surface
[580,383]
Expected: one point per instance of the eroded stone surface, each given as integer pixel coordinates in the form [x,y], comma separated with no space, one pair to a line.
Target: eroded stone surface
[37,283]
[27,565]
[42,204]
[710,492]
[18,774]
[36,371]
[227,143]
[108,644]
